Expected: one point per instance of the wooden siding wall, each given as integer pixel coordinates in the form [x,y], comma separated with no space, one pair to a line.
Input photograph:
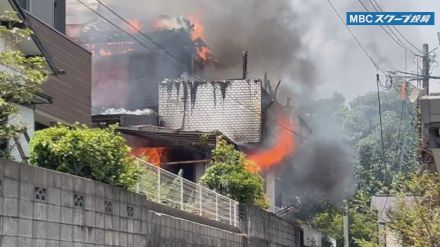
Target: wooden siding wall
[71,91]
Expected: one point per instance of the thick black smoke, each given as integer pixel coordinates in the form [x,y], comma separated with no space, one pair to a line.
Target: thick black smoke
[321,170]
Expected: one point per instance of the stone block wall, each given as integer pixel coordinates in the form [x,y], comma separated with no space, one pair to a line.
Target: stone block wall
[312,237]
[266,229]
[40,207]
[232,107]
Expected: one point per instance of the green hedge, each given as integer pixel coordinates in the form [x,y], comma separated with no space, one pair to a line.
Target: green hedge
[98,154]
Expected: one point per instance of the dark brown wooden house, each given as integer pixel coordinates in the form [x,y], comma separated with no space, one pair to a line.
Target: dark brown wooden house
[70,87]
[65,96]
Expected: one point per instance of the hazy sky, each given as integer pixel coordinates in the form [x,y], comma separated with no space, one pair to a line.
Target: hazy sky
[341,64]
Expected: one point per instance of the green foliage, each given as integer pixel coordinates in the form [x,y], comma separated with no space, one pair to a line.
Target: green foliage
[416,217]
[378,168]
[358,125]
[99,154]
[362,220]
[20,79]
[228,176]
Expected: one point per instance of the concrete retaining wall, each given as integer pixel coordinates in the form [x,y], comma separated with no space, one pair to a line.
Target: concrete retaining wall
[40,208]
[266,229]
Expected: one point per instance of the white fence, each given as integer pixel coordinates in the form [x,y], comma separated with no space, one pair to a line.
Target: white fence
[164,187]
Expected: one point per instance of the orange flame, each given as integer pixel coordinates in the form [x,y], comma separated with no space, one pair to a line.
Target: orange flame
[161,24]
[199,30]
[156,155]
[284,146]
[203,53]
[198,33]
[134,25]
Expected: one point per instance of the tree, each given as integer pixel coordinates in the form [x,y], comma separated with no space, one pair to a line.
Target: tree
[362,220]
[377,169]
[229,176]
[416,217]
[98,154]
[20,76]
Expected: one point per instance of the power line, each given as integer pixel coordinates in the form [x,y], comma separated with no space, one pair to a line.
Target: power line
[141,43]
[353,35]
[378,8]
[146,47]
[202,77]
[136,29]
[397,41]
[381,129]
[124,31]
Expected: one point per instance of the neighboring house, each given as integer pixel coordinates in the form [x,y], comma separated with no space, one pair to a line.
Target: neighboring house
[430,111]
[66,94]
[71,87]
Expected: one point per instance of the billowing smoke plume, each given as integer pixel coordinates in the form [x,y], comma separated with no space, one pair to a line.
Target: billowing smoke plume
[322,170]
[270,32]
[267,29]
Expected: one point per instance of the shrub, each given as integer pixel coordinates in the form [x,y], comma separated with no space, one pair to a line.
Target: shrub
[98,154]
[228,176]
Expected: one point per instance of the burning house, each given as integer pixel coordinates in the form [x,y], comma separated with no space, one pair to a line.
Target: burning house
[232,107]
[172,149]
[247,112]
[127,70]
[154,63]
[130,59]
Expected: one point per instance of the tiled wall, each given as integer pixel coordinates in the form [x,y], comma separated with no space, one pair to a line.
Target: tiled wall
[202,107]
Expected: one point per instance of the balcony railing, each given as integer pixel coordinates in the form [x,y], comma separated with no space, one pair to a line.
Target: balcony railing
[164,187]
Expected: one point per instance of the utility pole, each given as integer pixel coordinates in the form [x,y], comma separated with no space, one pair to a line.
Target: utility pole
[345,218]
[425,86]
[425,69]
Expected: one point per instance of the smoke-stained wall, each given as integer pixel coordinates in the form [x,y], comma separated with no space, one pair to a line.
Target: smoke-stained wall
[232,107]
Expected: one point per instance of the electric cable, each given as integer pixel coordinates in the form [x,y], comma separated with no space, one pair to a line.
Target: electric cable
[353,35]
[378,8]
[171,55]
[395,39]
[176,63]
[127,33]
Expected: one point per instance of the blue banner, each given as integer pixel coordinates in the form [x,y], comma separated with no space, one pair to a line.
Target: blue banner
[390,18]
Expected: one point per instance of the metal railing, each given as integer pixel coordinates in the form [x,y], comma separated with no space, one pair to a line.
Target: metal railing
[173,190]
